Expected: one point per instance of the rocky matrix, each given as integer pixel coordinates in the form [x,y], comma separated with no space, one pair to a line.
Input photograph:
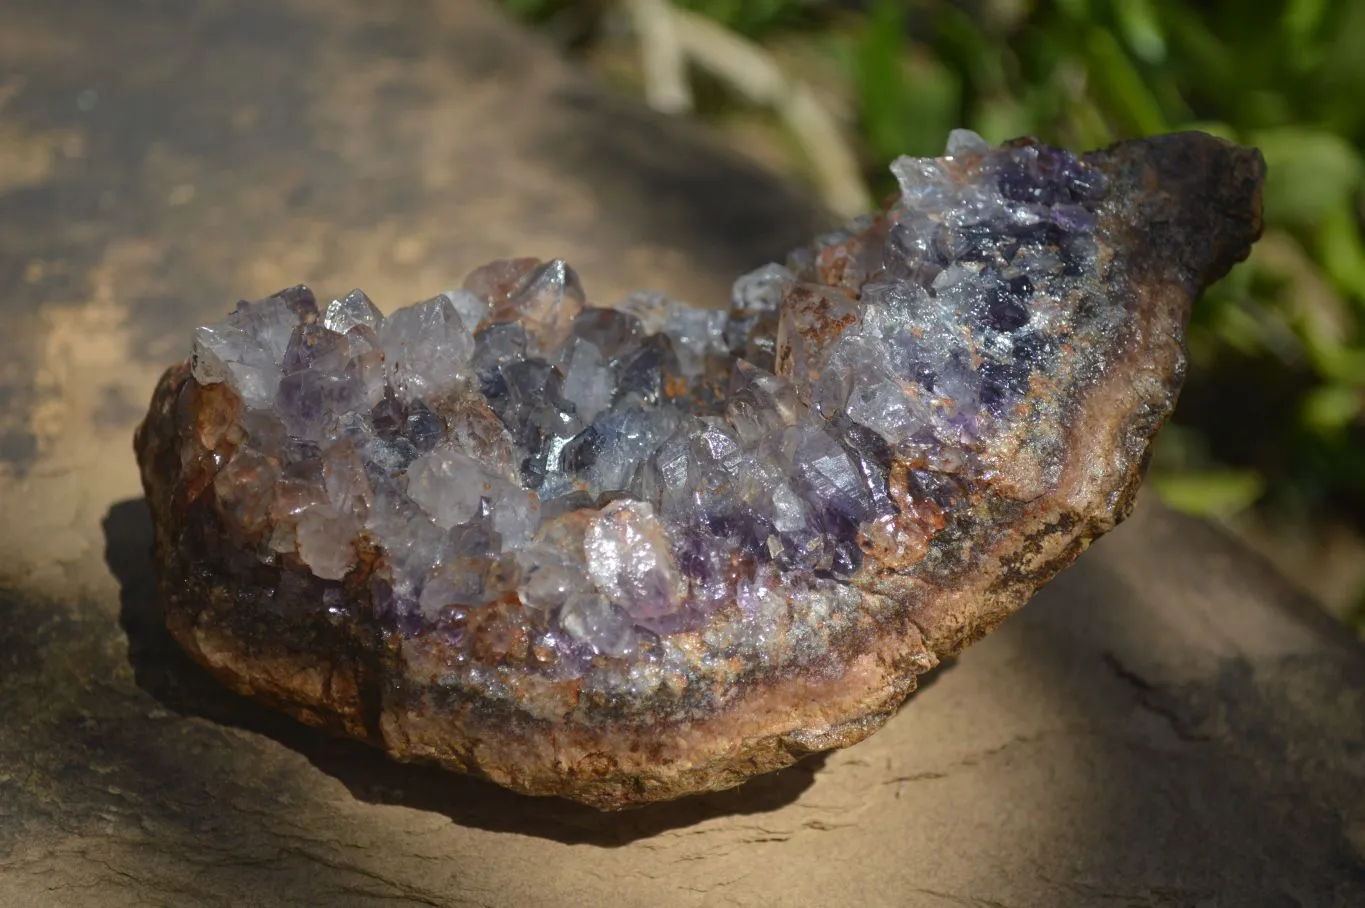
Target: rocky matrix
[622,554]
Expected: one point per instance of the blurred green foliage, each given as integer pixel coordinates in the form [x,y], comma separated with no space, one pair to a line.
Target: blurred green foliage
[1274,412]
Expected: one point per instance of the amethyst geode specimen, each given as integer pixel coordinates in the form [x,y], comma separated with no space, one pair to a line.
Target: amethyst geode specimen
[624,554]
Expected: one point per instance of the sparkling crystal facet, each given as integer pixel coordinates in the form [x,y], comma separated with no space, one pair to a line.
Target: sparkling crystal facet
[552,516]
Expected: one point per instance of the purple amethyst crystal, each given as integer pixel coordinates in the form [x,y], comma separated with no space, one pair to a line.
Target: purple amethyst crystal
[611,523]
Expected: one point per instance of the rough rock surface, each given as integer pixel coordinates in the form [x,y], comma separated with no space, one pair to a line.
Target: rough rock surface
[1167,722]
[625,554]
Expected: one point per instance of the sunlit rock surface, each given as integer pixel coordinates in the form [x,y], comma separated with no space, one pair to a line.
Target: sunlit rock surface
[626,553]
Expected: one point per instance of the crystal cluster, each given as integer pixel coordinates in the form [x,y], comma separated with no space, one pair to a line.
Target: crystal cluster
[625,553]
[718,457]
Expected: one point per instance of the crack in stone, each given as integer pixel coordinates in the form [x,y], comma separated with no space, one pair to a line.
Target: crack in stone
[1156,700]
[965,901]
[401,890]
[971,760]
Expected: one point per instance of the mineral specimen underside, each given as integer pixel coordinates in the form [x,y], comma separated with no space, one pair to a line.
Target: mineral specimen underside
[622,554]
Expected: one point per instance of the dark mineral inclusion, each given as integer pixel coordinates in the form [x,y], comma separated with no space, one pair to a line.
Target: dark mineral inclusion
[624,554]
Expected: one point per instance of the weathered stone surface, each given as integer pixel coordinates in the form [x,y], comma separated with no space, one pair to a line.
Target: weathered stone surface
[665,593]
[1166,723]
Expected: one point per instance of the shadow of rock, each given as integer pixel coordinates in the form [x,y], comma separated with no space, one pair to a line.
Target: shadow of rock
[1222,766]
[165,672]
[729,213]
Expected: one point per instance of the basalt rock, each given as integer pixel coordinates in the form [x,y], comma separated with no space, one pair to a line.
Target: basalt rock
[625,554]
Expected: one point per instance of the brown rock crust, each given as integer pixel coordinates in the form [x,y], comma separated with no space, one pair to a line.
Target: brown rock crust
[1185,209]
